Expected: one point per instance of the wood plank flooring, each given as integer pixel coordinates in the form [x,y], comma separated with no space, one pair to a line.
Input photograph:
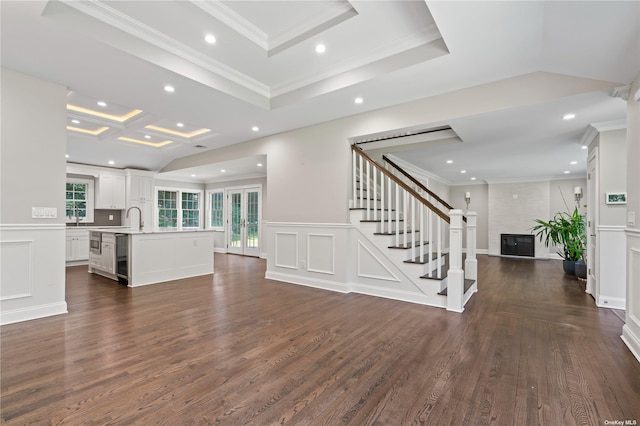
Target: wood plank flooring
[234,348]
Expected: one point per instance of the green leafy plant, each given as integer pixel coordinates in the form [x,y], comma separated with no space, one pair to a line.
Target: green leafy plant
[567,230]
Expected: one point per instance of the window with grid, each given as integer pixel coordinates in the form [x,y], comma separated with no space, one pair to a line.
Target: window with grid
[216,200]
[190,210]
[79,200]
[167,209]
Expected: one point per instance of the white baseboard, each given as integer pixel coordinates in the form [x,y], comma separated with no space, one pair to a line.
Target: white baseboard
[611,302]
[307,281]
[220,250]
[403,296]
[631,340]
[32,312]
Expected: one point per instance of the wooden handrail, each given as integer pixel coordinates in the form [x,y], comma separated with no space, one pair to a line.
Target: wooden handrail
[420,185]
[406,187]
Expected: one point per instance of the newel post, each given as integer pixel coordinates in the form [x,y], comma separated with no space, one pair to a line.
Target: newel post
[455,276]
[471,263]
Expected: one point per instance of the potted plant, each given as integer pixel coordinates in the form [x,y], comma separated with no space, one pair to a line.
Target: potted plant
[569,231]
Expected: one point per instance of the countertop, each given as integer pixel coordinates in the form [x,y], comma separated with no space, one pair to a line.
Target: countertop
[132,231]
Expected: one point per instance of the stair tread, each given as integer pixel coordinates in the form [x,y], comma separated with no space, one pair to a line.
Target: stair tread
[467,286]
[409,245]
[443,274]
[424,260]
[393,233]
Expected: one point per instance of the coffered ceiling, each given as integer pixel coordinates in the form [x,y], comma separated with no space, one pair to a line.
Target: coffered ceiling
[263,74]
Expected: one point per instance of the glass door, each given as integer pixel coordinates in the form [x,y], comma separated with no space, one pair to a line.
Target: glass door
[244,221]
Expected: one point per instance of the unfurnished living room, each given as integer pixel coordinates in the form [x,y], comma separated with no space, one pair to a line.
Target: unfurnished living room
[320,212]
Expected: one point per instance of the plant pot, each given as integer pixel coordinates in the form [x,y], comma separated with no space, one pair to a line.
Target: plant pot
[569,267]
[581,269]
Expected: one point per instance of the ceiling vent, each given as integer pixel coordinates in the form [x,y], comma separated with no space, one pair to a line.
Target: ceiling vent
[199,146]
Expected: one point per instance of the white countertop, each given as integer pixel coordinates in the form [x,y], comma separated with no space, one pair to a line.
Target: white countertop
[132,231]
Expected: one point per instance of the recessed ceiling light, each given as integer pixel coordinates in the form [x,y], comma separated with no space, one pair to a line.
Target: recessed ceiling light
[169,89]
[112,162]
[568,116]
[102,104]
[180,124]
[566,172]
[75,121]
[255,128]
[223,171]
[358,100]
[259,164]
[147,137]
[321,48]
[66,156]
[193,175]
[210,38]
[463,171]
[473,178]
[584,147]
[449,161]
[573,163]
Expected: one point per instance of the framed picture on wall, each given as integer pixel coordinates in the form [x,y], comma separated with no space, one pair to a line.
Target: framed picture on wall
[616,198]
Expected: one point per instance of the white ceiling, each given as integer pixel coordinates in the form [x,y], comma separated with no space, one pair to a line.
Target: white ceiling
[263,71]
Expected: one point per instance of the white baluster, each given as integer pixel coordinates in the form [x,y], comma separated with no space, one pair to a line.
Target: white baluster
[375,193]
[422,236]
[430,236]
[361,184]
[368,191]
[382,202]
[439,248]
[397,230]
[414,243]
[355,171]
[405,228]
[389,204]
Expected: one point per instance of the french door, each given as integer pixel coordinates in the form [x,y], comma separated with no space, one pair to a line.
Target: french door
[243,224]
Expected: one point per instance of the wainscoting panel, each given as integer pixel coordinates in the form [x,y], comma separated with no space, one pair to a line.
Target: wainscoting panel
[32,266]
[286,250]
[631,329]
[321,253]
[369,266]
[612,273]
[16,275]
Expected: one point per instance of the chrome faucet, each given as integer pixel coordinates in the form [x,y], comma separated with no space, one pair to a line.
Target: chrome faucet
[140,222]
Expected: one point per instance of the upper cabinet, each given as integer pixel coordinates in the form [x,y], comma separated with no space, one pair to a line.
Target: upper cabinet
[110,191]
[140,187]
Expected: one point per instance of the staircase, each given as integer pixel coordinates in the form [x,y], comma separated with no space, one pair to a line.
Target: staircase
[415,230]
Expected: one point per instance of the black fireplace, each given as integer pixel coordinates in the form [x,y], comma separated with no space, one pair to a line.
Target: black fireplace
[517,245]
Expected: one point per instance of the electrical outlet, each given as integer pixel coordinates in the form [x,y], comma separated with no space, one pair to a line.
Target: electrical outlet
[110,217]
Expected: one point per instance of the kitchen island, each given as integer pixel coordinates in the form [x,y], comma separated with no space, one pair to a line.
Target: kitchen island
[143,258]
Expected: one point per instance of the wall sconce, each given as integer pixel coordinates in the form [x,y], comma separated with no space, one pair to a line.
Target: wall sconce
[577,193]
[467,198]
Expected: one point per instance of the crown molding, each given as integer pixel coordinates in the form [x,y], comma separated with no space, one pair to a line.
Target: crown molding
[607,126]
[589,136]
[536,179]
[234,21]
[621,92]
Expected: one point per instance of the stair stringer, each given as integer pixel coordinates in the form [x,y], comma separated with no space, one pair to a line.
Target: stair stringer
[396,283]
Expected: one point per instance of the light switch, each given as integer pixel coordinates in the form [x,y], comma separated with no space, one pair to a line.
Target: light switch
[631,218]
[110,217]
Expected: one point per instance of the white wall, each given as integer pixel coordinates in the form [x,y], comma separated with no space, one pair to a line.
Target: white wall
[512,209]
[613,175]
[32,174]
[631,329]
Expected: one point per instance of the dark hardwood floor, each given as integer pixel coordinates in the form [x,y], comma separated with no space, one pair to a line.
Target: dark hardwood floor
[234,348]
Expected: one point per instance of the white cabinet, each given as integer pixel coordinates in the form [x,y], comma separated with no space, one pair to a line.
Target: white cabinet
[141,194]
[104,263]
[110,192]
[77,245]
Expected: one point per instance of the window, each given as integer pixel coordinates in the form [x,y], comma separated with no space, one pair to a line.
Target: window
[79,200]
[216,210]
[167,209]
[190,210]
[178,209]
